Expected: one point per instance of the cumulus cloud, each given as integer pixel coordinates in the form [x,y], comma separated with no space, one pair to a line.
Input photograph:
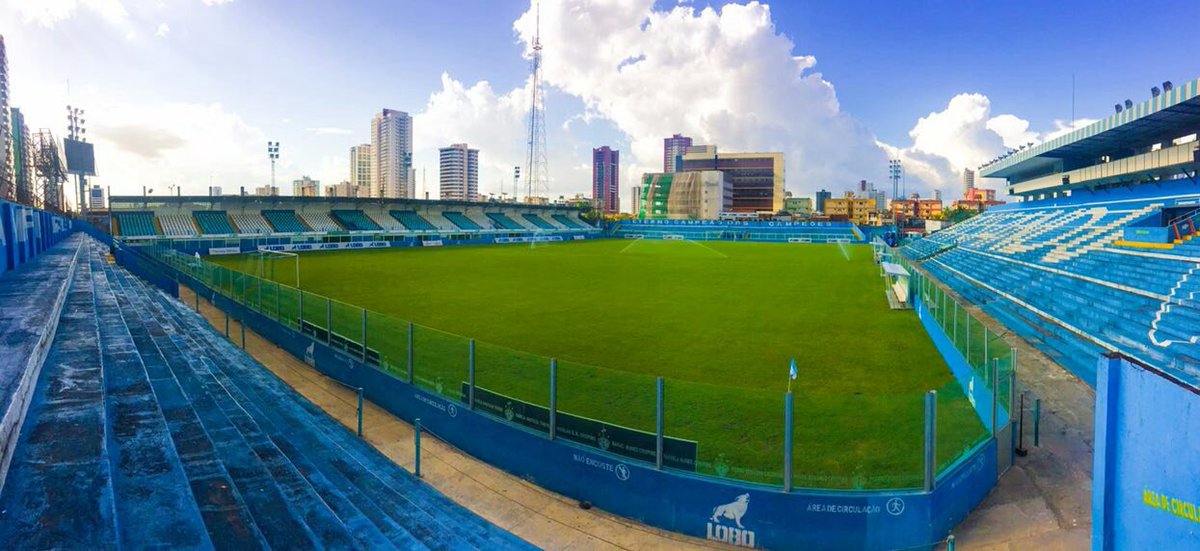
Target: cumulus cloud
[163,30]
[723,76]
[329,130]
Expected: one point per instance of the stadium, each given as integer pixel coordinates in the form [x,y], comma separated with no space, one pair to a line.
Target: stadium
[300,372]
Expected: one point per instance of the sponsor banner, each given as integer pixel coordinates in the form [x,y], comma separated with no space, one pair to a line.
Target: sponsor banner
[799,240]
[673,237]
[432,243]
[296,247]
[579,237]
[677,453]
[224,250]
[737,223]
[529,239]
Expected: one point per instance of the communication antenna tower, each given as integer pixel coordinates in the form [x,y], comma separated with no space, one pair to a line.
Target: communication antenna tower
[537,175]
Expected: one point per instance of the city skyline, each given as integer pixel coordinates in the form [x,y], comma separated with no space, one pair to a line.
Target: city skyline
[206,123]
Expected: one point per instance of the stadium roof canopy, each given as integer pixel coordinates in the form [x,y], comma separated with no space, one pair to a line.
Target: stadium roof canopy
[1158,120]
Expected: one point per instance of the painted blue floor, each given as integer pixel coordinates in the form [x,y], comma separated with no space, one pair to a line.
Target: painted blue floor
[150,429]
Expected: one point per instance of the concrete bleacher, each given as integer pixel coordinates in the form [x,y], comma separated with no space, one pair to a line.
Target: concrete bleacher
[385,221]
[320,221]
[354,220]
[803,232]
[251,224]
[177,225]
[148,429]
[567,221]
[213,222]
[1053,274]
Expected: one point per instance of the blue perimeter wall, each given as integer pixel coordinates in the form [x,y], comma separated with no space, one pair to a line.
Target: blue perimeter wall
[1146,476]
[675,501]
[26,232]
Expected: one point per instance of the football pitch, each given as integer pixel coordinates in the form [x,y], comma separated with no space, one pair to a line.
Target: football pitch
[719,321]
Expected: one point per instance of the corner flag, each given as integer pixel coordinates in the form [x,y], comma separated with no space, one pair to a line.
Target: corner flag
[791,374]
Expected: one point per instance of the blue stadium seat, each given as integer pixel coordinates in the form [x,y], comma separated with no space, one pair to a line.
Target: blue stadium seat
[285,221]
[1053,274]
[460,220]
[213,222]
[355,220]
[504,222]
[538,221]
[412,220]
[135,224]
[566,221]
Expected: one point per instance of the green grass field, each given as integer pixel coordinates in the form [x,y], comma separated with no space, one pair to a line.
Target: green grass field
[718,320]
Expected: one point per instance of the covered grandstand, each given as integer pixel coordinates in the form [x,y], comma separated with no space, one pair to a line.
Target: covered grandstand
[247,222]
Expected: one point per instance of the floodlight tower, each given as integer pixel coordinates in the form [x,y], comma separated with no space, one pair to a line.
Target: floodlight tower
[536,172]
[895,172]
[77,131]
[273,154]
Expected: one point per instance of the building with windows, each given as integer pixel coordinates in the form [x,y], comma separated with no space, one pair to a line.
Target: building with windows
[968,180]
[860,210]
[798,206]
[980,194]
[266,191]
[691,195]
[673,150]
[306,187]
[606,179]
[458,173]
[822,197]
[635,200]
[362,165]
[346,188]
[915,207]
[391,147]
[21,159]
[7,183]
[756,178]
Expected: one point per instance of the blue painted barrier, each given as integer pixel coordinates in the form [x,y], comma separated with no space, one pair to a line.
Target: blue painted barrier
[1145,488]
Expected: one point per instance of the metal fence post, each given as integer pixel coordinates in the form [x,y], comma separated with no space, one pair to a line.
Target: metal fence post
[226,323]
[985,346]
[278,309]
[417,441]
[955,303]
[930,440]
[360,410]
[995,394]
[328,321]
[658,426]
[1037,422]
[471,374]
[553,397]
[787,441]
[364,335]
[301,293]
[242,323]
[410,353]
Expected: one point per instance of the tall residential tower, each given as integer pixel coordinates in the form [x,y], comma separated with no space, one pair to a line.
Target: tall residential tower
[606,172]
[6,164]
[674,149]
[391,145]
[362,165]
[458,173]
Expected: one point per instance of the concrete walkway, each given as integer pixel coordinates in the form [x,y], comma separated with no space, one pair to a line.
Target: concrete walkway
[543,518]
[1044,501]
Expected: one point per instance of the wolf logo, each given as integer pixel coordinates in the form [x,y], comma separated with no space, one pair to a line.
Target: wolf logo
[734,510]
[308,355]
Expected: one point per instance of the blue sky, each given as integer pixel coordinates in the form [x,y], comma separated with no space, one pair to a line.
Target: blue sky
[185,92]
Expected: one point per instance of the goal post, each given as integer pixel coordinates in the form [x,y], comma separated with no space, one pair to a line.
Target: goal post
[274,266]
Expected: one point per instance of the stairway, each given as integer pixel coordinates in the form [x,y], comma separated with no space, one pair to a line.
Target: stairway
[179,439]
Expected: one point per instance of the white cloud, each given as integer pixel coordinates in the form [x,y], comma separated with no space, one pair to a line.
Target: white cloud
[328,130]
[47,13]
[163,30]
[721,76]
[216,2]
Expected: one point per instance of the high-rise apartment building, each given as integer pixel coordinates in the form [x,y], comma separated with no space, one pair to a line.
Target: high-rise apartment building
[348,189]
[21,160]
[306,187]
[362,165]
[391,145]
[7,187]
[968,179]
[458,173]
[635,201]
[673,150]
[757,179]
[606,172]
